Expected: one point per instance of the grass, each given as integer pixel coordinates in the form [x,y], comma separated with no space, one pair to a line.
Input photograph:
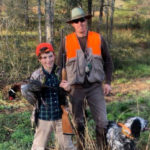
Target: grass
[130,53]
[131,72]
[120,111]
[131,58]
[16,131]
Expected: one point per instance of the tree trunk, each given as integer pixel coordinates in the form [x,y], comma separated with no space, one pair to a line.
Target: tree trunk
[101,11]
[107,21]
[49,20]
[39,20]
[100,15]
[90,12]
[111,20]
[1,3]
[26,13]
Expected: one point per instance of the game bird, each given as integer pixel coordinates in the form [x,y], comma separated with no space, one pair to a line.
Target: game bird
[32,91]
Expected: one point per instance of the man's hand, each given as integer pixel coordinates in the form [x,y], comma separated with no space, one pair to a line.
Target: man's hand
[107,89]
[65,85]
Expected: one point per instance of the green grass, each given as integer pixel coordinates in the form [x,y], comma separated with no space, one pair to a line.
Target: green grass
[131,58]
[15,131]
[130,53]
[119,111]
[133,71]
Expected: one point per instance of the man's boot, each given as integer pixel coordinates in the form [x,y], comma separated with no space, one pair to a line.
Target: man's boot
[101,139]
[80,137]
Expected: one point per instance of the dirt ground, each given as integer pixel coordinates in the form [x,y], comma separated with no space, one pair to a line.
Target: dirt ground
[132,87]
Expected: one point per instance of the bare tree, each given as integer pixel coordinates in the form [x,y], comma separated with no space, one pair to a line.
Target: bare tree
[49,20]
[107,21]
[111,19]
[101,14]
[101,10]
[25,2]
[39,20]
[1,3]
[90,12]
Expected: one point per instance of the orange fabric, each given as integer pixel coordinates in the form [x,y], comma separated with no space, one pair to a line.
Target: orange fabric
[72,44]
[94,42]
[125,130]
[41,45]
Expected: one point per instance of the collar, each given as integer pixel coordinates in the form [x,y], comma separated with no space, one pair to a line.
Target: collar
[12,91]
[46,73]
[126,131]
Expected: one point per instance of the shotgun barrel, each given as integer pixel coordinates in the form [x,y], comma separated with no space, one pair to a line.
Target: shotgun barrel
[64,73]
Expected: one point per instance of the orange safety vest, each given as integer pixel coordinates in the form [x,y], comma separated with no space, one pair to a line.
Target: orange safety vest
[77,65]
[72,44]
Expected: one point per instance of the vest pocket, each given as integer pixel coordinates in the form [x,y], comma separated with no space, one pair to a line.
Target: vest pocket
[97,73]
[71,67]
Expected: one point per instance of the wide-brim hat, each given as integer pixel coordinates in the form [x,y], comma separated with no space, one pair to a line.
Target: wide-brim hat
[78,13]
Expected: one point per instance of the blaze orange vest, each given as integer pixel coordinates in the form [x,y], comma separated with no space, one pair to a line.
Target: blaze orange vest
[77,66]
[72,44]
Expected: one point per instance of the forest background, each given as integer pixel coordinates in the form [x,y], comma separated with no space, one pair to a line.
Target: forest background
[125,25]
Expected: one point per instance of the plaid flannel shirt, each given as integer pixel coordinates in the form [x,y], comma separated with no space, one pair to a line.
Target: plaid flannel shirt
[51,96]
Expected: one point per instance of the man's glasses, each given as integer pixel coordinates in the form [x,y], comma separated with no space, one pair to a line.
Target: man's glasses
[79,20]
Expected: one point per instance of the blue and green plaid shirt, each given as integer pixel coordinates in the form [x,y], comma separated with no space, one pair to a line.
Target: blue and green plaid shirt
[52,110]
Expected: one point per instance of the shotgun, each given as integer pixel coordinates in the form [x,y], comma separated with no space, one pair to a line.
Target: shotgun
[64,73]
[66,124]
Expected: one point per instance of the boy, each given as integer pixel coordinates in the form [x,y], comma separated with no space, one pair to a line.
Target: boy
[49,116]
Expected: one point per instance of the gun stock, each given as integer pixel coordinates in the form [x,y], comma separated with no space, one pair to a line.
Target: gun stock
[64,74]
[66,125]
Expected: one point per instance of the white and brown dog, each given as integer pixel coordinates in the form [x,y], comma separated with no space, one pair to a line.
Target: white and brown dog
[121,136]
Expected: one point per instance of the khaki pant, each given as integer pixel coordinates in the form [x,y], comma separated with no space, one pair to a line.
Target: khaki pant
[43,132]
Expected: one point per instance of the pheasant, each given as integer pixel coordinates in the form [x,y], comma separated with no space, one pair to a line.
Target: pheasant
[32,92]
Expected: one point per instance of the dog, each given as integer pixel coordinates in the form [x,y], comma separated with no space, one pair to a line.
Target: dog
[122,136]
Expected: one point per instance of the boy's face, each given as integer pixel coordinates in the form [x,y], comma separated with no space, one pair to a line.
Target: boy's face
[47,60]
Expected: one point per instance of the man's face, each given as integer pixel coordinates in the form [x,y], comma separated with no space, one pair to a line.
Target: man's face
[47,60]
[80,26]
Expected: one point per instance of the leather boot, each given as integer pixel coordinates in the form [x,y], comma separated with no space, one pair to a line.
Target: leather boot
[80,137]
[101,138]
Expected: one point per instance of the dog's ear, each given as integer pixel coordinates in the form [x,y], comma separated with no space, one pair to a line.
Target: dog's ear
[136,128]
[110,124]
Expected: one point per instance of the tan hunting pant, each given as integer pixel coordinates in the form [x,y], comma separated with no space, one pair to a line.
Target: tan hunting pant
[43,132]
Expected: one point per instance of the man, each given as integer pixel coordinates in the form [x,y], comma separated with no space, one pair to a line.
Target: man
[88,63]
[50,113]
